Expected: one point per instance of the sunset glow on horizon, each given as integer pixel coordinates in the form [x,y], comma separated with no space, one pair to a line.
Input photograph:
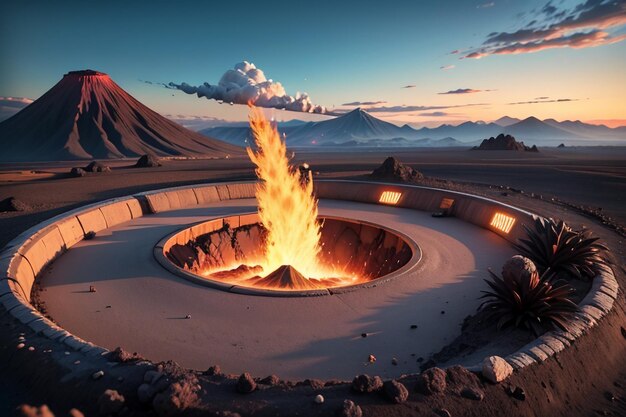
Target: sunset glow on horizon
[563,61]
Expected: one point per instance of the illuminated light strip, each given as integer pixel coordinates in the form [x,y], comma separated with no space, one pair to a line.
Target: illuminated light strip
[502,222]
[390,197]
[446,203]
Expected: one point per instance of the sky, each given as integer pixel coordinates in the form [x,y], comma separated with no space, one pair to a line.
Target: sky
[419,62]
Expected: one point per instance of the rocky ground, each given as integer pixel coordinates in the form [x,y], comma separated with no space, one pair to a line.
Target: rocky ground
[587,379]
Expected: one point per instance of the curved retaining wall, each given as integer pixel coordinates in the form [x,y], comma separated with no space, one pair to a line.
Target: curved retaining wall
[25,257]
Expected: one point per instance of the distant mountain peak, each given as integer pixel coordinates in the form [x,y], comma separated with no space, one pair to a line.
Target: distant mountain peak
[86,115]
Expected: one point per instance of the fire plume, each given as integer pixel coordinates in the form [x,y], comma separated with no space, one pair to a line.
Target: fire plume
[287,207]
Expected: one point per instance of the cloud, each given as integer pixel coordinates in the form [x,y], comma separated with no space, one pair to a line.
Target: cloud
[247,84]
[404,109]
[589,24]
[409,86]
[11,105]
[456,51]
[464,91]
[543,100]
[364,103]
[435,114]
[486,5]
[446,67]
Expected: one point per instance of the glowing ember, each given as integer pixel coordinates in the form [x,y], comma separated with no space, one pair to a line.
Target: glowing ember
[287,207]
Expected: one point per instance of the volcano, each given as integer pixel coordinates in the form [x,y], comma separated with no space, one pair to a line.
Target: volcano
[87,115]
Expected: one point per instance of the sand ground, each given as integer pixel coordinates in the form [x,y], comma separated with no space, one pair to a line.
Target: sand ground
[588,379]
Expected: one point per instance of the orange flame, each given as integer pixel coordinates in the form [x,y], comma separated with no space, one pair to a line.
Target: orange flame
[287,207]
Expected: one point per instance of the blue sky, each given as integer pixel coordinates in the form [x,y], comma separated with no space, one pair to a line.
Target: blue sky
[338,52]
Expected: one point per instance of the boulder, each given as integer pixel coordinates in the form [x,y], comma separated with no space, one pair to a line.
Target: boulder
[395,391]
[245,383]
[148,161]
[270,380]
[431,381]
[394,170]
[349,409]
[13,204]
[504,142]
[110,402]
[518,269]
[365,383]
[96,166]
[496,369]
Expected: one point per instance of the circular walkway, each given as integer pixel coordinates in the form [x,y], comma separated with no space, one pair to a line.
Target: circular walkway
[142,307]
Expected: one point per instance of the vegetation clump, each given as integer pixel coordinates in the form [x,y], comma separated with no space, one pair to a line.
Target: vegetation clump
[528,300]
[553,245]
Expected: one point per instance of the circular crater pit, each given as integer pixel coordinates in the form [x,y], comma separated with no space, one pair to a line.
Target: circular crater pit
[229,254]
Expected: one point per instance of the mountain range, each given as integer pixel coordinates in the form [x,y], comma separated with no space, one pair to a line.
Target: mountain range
[86,115]
[359,128]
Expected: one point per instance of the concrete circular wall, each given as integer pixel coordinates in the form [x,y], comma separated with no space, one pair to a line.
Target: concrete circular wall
[25,257]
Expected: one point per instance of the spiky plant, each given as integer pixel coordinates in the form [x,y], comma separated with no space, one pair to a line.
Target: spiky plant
[533,302]
[553,245]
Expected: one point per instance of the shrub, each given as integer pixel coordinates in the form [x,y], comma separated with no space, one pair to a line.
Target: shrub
[553,245]
[531,302]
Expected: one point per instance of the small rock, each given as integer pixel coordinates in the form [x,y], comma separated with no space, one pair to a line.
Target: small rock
[270,380]
[20,345]
[31,348]
[420,359]
[76,362]
[519,393]
[89,235]
[110,402]
[443,312]
[316,384]
[319,399]
[363,334]
[442,412]
[245,384]
[107,307]
[96,166]
[496,369]
[472,394]
[431,381]
[371,358]
[213,370]
[395,391]
[365,383]
[349,409]
[394,361]
[13,204]
[26,410]
[413,326]
[21,339]
[78,172]
[97,375]
[120,355]
[188,316]
[145,393]
[177,397]
[76,413]
[92,288]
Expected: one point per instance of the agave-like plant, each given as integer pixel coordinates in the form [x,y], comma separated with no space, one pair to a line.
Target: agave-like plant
[555,246]
[533,302]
